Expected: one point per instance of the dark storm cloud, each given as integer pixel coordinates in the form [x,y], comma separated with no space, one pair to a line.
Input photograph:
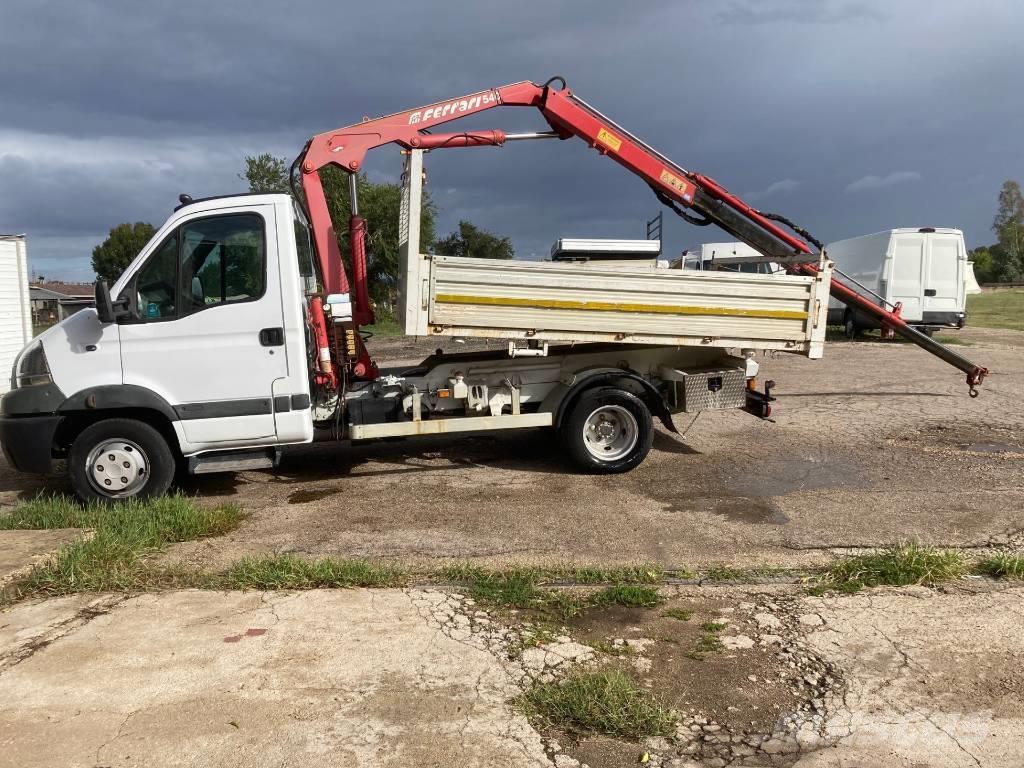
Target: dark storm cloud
[847,116]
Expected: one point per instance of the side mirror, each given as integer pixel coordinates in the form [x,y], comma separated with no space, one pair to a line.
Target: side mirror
[106,308]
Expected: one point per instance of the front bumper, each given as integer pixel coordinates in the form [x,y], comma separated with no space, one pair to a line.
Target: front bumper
[27,441]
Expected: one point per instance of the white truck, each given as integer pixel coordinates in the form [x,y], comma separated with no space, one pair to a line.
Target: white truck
[15,306]
[235,332]
[729,257]
[924,270]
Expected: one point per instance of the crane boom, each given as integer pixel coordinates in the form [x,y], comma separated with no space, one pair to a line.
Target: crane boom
[697,198]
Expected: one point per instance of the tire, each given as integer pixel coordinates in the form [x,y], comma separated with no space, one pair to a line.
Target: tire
[608,431]
[142,459]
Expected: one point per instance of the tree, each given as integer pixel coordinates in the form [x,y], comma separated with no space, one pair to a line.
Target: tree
[379,205]
[474,242]
[111,257]
[985,267]
[1008,225]
[266,173]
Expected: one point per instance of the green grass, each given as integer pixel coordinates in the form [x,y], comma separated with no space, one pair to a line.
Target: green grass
[386,325]
[638,574]
[900,565]
[1001,566]
[518,588]
[724,573]
[603,646]
[113,558]
[627,594]
[608,702]
[292,572]
[713,627]
[679,614]
[997,309]
[707,644]
[515,588]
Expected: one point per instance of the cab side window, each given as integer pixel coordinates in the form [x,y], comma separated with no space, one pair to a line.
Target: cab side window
[223,260]
[204,263]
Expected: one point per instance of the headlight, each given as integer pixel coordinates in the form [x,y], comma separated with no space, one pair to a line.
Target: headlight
[31,368]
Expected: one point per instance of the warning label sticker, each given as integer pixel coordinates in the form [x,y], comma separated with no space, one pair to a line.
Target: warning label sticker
[609,139]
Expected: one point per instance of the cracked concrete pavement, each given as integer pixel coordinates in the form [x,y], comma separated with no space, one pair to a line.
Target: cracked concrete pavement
[932,678]
[327,678]
[420,677]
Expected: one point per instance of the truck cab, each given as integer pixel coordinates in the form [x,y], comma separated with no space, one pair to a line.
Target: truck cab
[208,350]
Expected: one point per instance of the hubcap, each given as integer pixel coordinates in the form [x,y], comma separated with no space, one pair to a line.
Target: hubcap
[117,468]
[610,433]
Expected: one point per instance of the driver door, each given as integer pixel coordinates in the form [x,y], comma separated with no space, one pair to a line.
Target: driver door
[207,326]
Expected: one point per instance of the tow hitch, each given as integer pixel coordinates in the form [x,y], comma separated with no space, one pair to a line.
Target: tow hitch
[759,403]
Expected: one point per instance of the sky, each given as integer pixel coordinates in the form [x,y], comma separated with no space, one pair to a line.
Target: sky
[847,116]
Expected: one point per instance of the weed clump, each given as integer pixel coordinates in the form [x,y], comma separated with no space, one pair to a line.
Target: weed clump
[292,572]
[1003,565]
[608,702]
[901,565]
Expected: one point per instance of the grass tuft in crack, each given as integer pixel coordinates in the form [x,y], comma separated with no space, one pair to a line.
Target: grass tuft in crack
[638,574]
[627,594]
[900,565]
[1003,565]
[724,573]
[292,572]
[679,614]
[609,702]
[515,588]
[112,559]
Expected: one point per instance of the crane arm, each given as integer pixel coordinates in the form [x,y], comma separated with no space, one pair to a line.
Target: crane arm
[697,198]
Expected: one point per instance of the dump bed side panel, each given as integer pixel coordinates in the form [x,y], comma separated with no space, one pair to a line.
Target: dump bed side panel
[588,302]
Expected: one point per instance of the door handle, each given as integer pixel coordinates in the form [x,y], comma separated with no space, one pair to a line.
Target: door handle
[272,337]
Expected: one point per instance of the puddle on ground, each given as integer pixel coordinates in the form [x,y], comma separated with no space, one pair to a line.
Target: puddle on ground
[745,494]
[778,477]
[311,494]
[757,511]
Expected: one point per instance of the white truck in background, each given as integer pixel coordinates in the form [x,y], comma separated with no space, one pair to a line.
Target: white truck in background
[730,257]
[924,270]
[15,307]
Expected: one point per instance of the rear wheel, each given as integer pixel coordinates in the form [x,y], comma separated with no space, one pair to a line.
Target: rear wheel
[608,431]
[120,459]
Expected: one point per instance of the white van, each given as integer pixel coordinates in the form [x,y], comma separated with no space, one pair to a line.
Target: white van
[924,269]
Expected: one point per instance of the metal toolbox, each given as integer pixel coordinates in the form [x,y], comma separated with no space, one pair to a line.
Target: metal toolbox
[705,389]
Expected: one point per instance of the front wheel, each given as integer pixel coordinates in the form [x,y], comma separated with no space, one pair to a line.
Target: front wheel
[120,459]
[608,431]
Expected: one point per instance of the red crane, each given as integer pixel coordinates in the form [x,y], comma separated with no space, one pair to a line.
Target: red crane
[697,198]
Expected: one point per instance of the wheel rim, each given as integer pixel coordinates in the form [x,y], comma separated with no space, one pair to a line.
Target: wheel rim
[610,433]
[117,468]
